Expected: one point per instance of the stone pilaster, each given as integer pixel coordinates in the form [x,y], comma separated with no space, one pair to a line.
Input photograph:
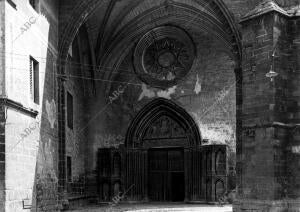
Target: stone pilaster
[264,182]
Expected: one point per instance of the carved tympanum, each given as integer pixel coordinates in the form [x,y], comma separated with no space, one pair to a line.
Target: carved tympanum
[164,127]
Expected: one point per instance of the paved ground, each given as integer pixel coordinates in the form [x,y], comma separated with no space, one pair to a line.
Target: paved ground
[158,208]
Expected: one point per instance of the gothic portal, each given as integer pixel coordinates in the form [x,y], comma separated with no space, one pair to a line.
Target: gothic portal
[163,160]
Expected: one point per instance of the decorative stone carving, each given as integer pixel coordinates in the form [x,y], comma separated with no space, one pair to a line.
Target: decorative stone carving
[163,56]
[164,127]
[156,110]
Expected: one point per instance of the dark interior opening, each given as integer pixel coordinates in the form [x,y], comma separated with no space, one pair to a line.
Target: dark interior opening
[177,185]
[166,175]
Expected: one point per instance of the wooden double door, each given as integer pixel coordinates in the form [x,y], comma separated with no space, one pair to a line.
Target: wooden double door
[163,174]
[166,174]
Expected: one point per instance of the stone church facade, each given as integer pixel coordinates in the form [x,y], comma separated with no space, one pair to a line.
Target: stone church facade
[98,97]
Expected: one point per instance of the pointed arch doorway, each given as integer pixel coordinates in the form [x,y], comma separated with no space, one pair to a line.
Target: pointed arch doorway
[163,160]
[158,143]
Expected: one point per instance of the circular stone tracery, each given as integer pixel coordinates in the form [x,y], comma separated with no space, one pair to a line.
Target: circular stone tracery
[163,56]
[166,59]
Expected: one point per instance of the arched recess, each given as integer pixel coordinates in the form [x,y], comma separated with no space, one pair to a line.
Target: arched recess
[219,189]
[152,112]
[215,18]
[83,9]
[182,16]
[220,162]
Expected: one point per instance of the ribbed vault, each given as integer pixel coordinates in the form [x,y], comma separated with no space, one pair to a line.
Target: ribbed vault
[124,22]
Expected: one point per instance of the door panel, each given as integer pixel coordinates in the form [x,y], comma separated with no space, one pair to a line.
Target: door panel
[158,160]
[157,188]
[166,175]
[135,175]
[175,160]
[158,174]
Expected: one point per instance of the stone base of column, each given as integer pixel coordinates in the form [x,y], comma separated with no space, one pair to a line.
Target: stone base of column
[266,206]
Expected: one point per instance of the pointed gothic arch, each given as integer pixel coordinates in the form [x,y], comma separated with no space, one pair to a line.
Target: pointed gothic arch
[84,9]
[164,113]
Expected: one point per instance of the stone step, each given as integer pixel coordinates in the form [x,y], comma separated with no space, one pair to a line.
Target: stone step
[185,209]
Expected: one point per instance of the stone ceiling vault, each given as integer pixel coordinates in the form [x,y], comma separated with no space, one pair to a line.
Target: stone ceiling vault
[114,25]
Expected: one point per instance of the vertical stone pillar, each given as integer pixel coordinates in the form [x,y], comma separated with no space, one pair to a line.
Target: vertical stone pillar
[2,156]
[61,132]
[239,149]
[2,107]
[187,176]
[264,111]
[146,175]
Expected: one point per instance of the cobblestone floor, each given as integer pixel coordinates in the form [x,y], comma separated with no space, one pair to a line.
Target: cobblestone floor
[158,208]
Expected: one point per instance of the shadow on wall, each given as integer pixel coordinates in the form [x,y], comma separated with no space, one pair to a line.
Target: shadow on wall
[45,195]
[32,154]
[38,140]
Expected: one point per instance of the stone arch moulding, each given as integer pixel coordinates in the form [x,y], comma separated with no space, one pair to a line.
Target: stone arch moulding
[153,111]
[126,38]
[82,10]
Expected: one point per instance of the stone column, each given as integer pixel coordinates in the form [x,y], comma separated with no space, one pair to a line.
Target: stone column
[2,156]
[146,175]
[186,175]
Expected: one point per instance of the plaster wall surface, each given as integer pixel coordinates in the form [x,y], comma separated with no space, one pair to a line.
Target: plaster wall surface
[31,137]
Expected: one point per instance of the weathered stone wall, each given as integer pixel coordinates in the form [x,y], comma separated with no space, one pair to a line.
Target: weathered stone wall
[31,142]
[292,67]
[207,93]
[77,11]
[240,7]
[257,182]
[32,153]
[266,168]
[80,85]
[285,63]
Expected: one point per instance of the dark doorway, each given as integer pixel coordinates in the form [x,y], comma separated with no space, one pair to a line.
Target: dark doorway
[166,175]
[177,185]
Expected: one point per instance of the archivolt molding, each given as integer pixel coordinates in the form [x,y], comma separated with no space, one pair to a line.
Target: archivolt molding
[153,111]
[84,9]
[130,34]
[142,6]
[136,8]
[204,15]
